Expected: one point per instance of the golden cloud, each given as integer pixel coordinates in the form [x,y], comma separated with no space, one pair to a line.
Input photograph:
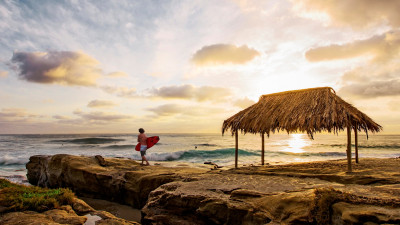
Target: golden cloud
[372,89]
[117,74]
[64,67]
[224,54]
[59,117]
[379,76]
[204,93]
[102,116]
[176,109]
[381,47]
[125,92]
[100,103]
[356,13]
[16,114]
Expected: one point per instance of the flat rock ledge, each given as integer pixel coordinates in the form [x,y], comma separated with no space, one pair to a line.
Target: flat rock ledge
[77,214]
[306,193]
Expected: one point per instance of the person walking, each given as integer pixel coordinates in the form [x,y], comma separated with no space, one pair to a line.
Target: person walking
[142,139]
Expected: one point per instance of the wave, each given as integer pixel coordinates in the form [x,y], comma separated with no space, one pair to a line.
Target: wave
[207,145]
[199,154]
[323,154]
[7,160]
[90,140]
[302,154]
[365,146]
[120,147]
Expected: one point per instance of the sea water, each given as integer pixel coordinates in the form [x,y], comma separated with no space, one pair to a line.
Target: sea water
[15,150]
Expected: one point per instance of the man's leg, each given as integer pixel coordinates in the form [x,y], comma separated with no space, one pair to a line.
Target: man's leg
[147,163]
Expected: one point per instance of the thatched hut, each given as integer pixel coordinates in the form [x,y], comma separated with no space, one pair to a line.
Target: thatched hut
[308,110]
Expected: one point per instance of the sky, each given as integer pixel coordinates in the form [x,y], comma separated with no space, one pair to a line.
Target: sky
[185,66]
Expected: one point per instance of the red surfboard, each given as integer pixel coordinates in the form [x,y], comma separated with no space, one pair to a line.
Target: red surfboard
[151,141]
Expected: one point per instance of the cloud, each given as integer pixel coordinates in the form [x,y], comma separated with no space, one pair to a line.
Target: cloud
[380,48]
[3,73]
[378,76]
[64,67]
[243,103]
[175,109]
[372,89]
[100,103]
[59,117]
[168,109]
[93,117]
[16,114]
[117,74]
[355,13]
[223,54]
[204,93]
[125,92]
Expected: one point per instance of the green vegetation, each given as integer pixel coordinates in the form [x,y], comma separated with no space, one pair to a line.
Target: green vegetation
[20,197]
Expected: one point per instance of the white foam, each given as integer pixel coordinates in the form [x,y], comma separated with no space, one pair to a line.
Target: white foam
[12,160]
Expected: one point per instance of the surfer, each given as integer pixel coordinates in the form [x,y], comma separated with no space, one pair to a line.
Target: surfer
[142,139]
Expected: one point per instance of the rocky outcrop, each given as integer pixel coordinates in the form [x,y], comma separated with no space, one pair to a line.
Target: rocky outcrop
[120,180]
[77,214]
[311,193]
[345,213]
[268,200]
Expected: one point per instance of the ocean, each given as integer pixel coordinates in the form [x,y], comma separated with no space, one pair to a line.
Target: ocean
[15,150]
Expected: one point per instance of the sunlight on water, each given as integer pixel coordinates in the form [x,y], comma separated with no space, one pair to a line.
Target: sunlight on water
[296,143]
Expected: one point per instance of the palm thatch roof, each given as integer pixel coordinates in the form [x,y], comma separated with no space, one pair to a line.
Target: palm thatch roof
[308,110]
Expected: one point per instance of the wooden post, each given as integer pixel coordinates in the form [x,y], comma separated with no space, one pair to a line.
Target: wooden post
[356,143]
[262,149]
[349,147]
[236,149]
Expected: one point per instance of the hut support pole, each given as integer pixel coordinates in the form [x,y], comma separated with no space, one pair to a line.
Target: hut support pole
[356,143]
[262,149]
[349,147]
[236,149]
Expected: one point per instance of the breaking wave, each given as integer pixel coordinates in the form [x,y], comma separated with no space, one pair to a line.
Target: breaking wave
[90,140]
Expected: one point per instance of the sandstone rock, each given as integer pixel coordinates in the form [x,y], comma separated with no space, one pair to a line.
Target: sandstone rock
[65,215]
[62,215]
[285,194]
[27,217]
[346,213]
[101,160]
[122,180]
[55,216]
[81,207]
[231,199]
[109,219]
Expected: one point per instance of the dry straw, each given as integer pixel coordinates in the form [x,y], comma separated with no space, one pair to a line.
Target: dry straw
[308,110]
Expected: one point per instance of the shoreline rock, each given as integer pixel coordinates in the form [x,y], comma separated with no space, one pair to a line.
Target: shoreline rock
[77,214]
[122,180]
[301,193]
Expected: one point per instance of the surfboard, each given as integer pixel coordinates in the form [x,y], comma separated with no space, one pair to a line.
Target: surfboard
[151,141]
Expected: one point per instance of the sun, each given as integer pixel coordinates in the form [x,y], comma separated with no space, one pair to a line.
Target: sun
[296,143]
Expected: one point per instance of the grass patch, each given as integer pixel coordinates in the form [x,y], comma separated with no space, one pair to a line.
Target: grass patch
[20,197]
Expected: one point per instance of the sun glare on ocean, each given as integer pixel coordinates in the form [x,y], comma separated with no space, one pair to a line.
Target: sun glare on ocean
[296,143]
